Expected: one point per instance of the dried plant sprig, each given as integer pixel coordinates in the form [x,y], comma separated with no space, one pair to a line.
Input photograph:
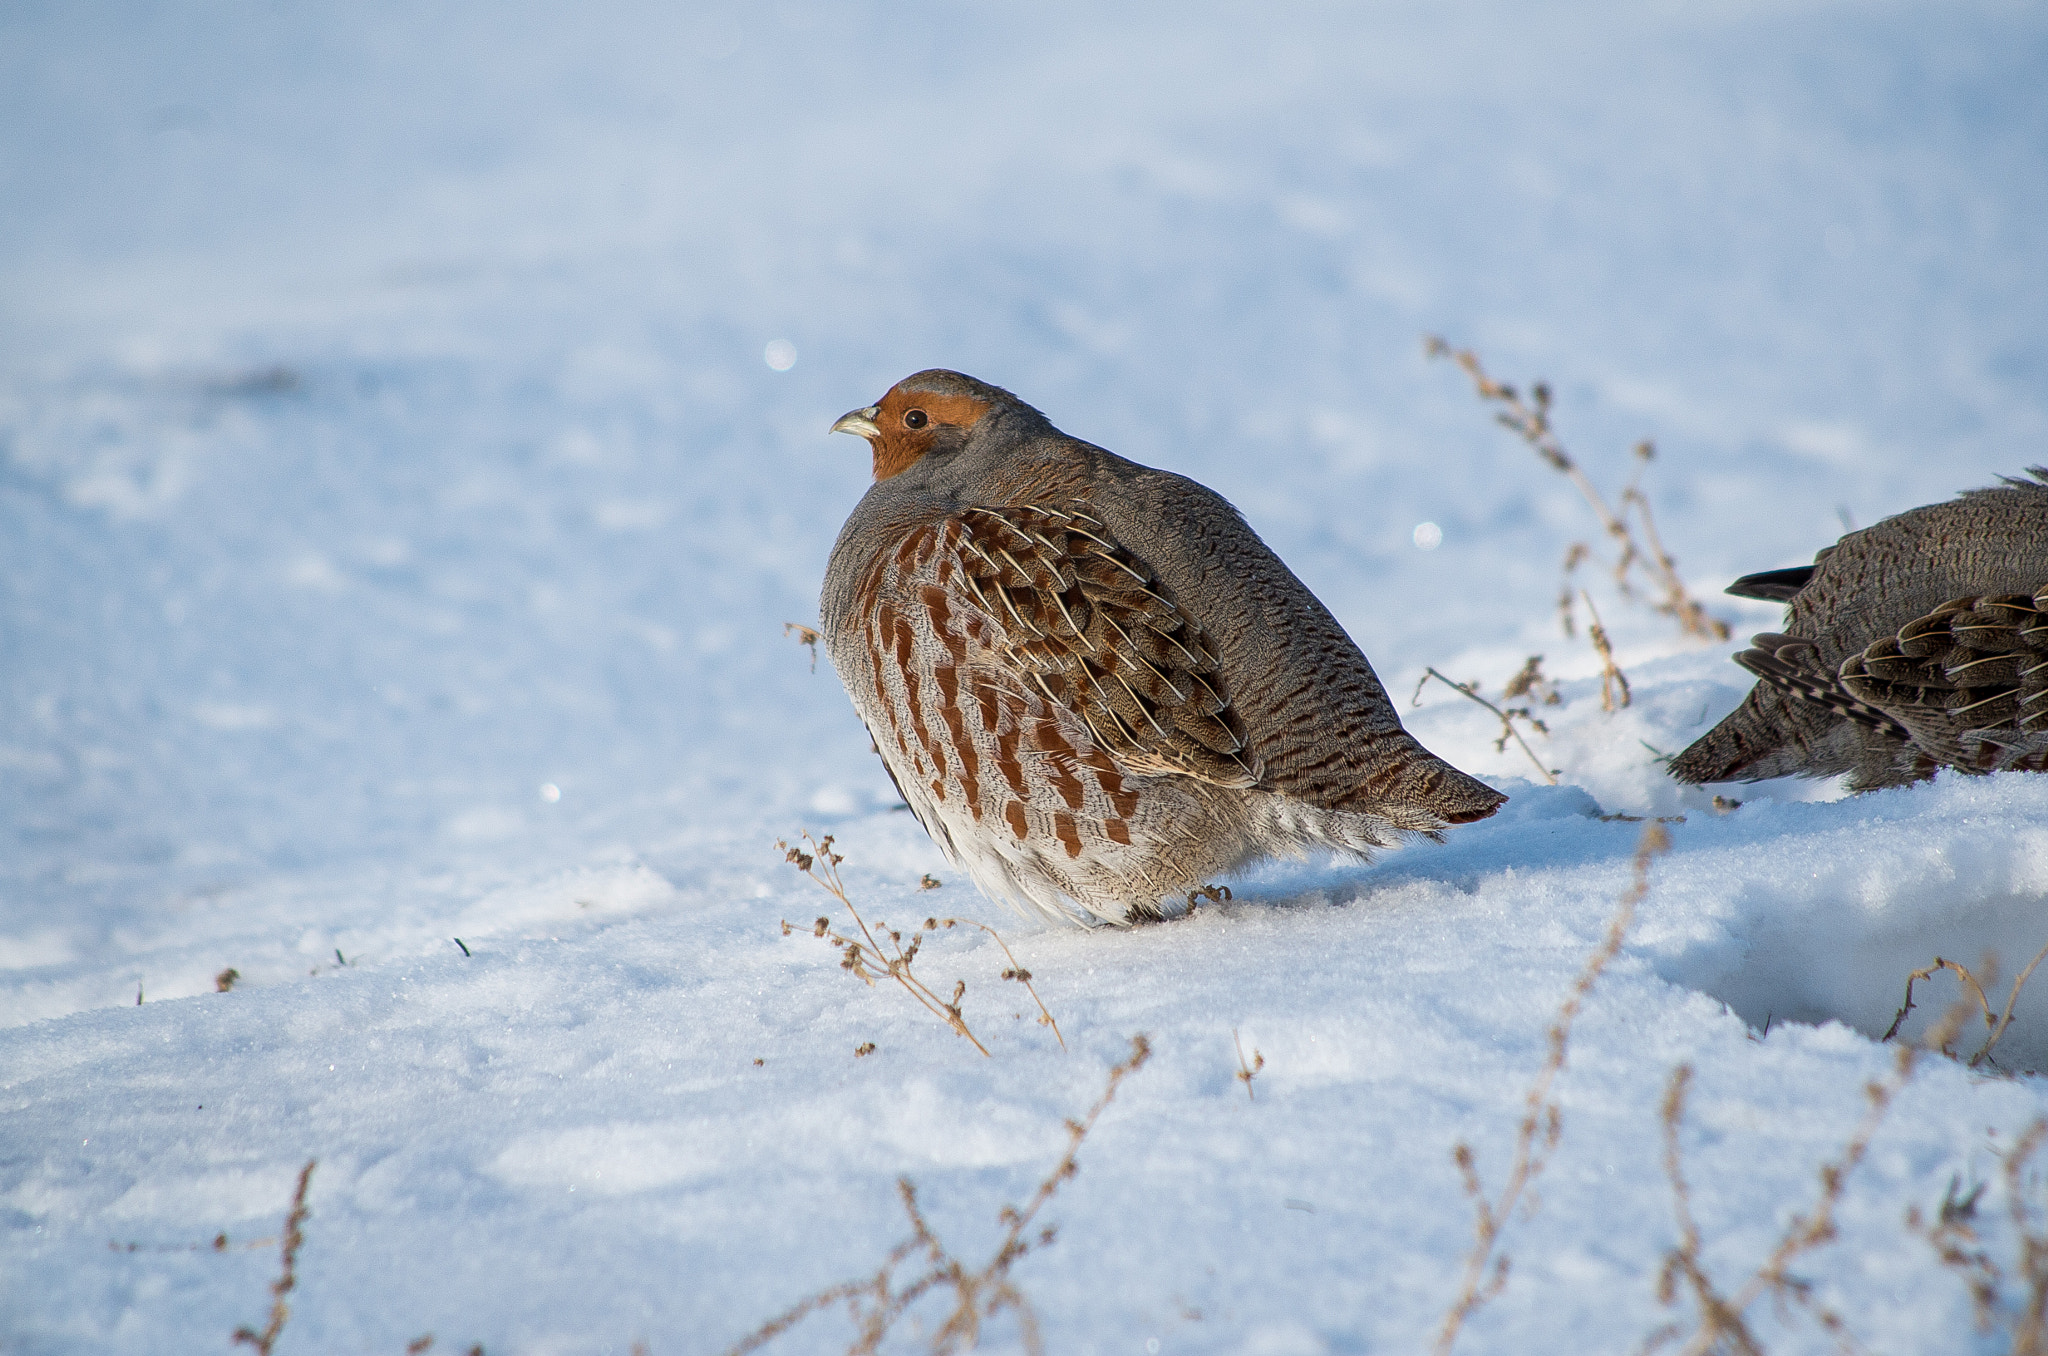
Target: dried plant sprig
[1015,972]
[1532,682]
[1507,725]
[1953,1236]
[2030,1327]
[1529,419]
[1614,693]
[220,1242]
[288,1276]
[865,958]
[1542,1127]
[1954,1239]
[1996,1027]
[806,636]
[1721,1319]
[876,1302]
[1247,1072]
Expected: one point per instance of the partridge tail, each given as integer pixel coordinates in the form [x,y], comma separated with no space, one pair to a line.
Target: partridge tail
[1726,752]
[1423,783]
[1461,799]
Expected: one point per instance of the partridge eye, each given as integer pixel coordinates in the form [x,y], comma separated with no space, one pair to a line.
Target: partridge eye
[915,419]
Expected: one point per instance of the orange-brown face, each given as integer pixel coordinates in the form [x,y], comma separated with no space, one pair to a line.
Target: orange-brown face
[903,427]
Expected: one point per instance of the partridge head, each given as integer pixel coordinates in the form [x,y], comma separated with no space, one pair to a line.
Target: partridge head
[1913,645]
[1092,682]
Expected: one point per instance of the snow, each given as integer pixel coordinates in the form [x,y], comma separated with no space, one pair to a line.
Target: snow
[412,445]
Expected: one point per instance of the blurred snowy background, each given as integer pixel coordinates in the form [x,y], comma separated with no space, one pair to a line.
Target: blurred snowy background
[412,444]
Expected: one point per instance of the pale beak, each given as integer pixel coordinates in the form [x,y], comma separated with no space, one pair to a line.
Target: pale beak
[860,421]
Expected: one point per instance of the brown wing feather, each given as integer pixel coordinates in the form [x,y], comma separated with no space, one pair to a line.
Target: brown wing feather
[1966,684]
[1968,679]
[1082,620]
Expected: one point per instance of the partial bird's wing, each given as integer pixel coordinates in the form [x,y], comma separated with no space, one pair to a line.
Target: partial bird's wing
[1966,684]
[1793,665]
[1969,679]
[1079,617]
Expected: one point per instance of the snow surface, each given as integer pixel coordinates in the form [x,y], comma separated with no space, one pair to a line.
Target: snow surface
[401,502]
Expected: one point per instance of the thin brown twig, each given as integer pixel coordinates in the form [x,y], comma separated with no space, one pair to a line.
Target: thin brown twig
[1247,1072]
[2030,1326]
[864,958]
[1953,1236]
[806,636]
[1507,726]
[1995,1027]
[2005,1018]
[288,1277]
[876,1303]
[1612,679]
[1928,972]
[1016,971]
[1542,1126]
[1687,609]
[1722,1318]
[1722,1322]
[1530,420]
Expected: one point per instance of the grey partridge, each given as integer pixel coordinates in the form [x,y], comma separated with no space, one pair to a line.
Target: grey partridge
[1092,682]
[1916,644]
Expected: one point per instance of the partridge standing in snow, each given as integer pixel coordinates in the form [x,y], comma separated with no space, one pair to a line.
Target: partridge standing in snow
[1919,643]
[1091,680]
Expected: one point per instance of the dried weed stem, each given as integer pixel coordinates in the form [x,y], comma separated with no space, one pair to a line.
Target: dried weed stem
[1633,529]
[1536,1139]
[806,636]
[1247,1072]
[288,1277]
[876,1303]
[1507,725]
[1614,693]
[1722,1319]
[1954,1239]
[1995,1026]
[864,957]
